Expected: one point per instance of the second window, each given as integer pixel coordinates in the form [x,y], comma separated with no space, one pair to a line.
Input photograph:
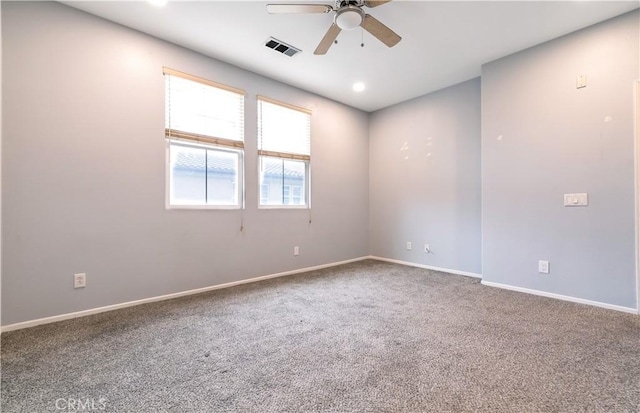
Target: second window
[284,150]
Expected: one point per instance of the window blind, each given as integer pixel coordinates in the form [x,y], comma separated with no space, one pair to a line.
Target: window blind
[200,110]
[284,130]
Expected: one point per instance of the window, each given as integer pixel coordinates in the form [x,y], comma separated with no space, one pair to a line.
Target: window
[264,193]
[292,195]
[284,149]
[204,128]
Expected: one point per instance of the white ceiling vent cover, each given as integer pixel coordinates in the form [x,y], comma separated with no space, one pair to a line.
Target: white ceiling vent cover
[282,47]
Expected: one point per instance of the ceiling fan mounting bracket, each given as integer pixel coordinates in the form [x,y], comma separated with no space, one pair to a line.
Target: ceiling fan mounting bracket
[341,3]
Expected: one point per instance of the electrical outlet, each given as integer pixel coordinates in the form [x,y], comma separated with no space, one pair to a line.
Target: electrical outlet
[543,267]
[427,248]
[408,245]
[79,280]
[296,250]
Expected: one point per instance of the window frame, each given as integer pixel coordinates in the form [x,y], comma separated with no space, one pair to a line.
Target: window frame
[306,159]
[239,185]
[206,142]
[306,193]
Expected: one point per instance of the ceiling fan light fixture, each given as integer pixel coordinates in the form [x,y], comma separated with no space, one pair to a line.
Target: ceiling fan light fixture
[349,17]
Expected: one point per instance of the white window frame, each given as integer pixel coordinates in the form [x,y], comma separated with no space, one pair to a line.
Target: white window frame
[239,184]
[214,143]
[306,158]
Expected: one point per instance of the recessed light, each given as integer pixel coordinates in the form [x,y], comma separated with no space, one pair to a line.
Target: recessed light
[358,87]
[158,3]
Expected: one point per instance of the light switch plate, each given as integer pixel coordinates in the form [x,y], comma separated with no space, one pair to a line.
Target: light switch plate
[574,200]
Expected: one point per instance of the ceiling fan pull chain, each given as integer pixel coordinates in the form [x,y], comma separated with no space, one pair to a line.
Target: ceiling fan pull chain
[362,36]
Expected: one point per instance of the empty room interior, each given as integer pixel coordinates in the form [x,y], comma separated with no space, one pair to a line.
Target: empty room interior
[308,206]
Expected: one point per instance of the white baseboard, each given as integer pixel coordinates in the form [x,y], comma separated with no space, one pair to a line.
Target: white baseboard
[561,297]
[53,319]
[428,267]
[513,288]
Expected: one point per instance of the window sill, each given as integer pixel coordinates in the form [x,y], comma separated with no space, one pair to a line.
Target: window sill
[213,207]
[301,207]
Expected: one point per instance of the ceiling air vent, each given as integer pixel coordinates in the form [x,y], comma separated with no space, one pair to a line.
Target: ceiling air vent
[282,47]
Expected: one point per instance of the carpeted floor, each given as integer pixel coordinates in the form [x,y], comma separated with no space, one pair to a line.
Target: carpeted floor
[363,337]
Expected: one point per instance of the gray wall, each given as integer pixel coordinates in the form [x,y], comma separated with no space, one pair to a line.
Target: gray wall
[83,177]
[83,171]
[541,138]
[425,179]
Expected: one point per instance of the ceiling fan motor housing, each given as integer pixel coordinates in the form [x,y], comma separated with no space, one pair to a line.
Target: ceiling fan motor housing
[349,17]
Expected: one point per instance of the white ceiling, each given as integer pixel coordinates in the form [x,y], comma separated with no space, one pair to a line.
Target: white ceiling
[443,42]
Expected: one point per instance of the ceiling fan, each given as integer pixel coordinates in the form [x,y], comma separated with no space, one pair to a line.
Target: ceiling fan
[348,16]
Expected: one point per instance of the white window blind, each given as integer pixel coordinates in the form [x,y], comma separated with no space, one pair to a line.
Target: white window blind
[283,130]
[203,111]
[204,128]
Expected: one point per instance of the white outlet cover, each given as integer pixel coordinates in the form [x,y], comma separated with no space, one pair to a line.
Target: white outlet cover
[408,245]
[79,280]
[543,267]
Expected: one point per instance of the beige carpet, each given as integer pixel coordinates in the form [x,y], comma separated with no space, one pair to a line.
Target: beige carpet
[363,337]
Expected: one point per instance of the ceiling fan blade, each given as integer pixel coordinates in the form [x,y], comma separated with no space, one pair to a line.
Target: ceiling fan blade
[298,8]
[328,39]
[380,31]
[375,3]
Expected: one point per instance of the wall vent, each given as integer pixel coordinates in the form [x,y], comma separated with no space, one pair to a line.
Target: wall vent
[282,47]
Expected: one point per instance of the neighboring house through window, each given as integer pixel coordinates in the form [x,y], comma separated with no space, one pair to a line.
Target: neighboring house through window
[264,193]
[204,128]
